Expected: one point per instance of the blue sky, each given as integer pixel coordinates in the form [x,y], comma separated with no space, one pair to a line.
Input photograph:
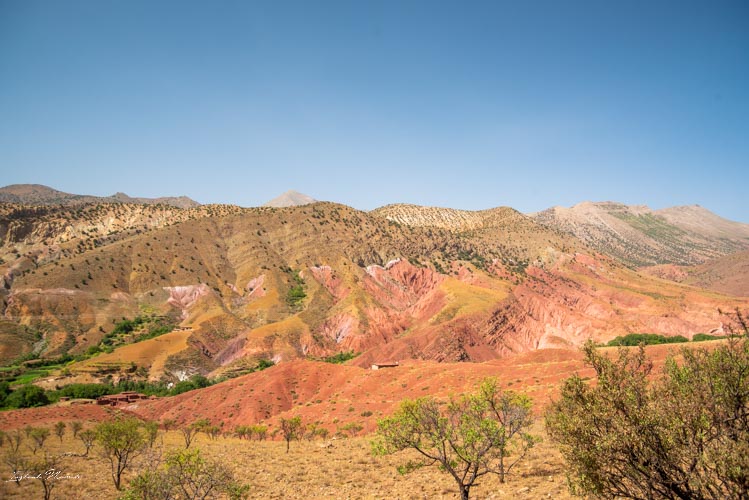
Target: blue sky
[465,104]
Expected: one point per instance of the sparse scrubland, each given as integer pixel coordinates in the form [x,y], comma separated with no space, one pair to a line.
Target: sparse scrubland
[340,467]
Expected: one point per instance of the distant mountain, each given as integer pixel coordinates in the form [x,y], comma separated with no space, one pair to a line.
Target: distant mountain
[640,236]
[290,199]
[37,194]
[728,274]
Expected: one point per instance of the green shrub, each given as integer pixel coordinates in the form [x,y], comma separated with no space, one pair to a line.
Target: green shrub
[26,396]
[683,435]
[634,339]
[702,337]
[341,357]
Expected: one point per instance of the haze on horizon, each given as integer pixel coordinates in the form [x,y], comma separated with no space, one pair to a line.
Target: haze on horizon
[366,104]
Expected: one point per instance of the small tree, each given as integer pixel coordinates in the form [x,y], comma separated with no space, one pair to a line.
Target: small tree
[152,432]
[352,428]
[60,430]
[468,438]
[27,396]
[17,463]
[76,426]
[87,437]
[311,432]
[168,424]
[187,474]
[122,441]
[242,432]
[213,431]
[683,435]
[15,439]
[45,471]
[259,431]
[38,436]
[291,429]
[188,433]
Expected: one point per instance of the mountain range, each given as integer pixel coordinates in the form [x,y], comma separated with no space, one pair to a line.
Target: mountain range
[37,194]
[400,282]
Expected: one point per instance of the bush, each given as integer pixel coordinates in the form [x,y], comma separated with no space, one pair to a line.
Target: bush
[683,435]
[634,339]
[341,357]
[296,293]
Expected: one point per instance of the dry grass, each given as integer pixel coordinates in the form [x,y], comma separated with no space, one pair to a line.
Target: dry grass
[338,468]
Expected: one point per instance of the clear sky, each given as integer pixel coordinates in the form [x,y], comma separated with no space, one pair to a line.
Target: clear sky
[465,104]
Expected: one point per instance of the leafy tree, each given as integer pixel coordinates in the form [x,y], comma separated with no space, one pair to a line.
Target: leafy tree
[87,437]
[168,424]
[14,440]
[17,463]
[187,474]
[60,430]
[189,432]
[469,437]
[43,471]
[27,396]
[121,441]
[291,429]
[352,428]
[213,431]
[152,431]
[38,436]
[684,434]
[4,392]
[76,426]
[259,431]
[242,432]
[311,431]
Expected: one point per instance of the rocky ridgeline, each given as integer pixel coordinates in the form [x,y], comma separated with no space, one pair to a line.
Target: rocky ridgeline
[418,216]
[639,236]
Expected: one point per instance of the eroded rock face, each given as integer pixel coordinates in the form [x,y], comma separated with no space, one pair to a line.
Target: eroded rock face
[327,277]
[339,327]
[400,285]
[184,297]
[255,286]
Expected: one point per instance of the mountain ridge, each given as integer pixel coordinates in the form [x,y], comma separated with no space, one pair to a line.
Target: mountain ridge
[39,194]
[640,236]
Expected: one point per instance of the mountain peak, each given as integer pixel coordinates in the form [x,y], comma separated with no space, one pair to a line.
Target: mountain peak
[290,198]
